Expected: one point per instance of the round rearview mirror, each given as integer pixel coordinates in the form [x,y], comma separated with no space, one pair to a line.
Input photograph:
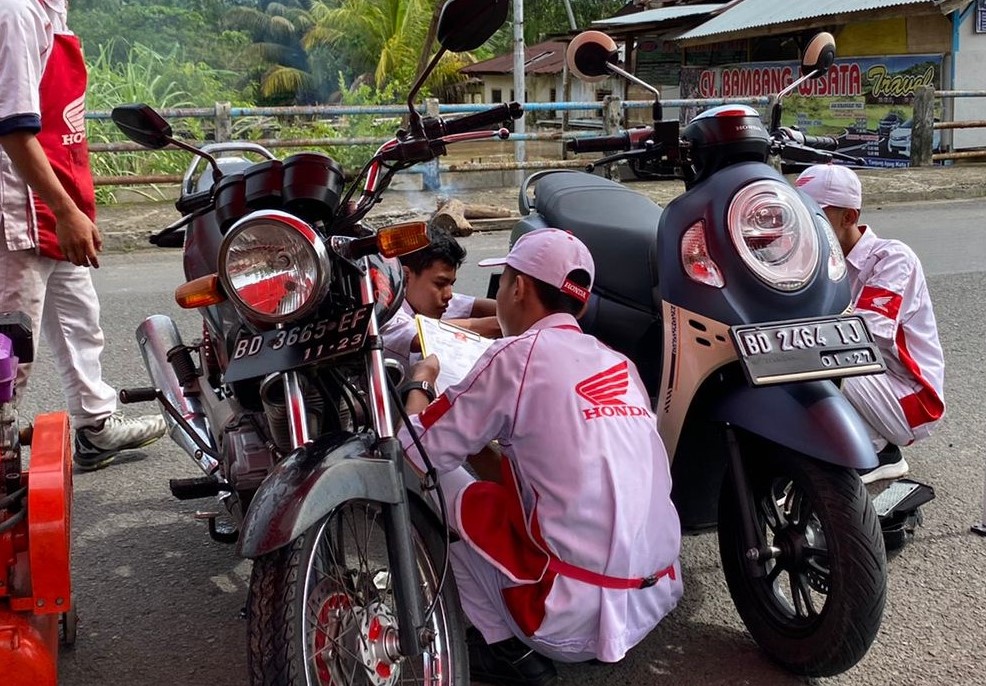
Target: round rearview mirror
[819,55]
[465,25]
[141,124]
[588,55]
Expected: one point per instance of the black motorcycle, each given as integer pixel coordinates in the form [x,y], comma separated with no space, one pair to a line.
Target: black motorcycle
[286,404]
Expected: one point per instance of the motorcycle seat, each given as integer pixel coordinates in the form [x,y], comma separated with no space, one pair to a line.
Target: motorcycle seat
[618,225]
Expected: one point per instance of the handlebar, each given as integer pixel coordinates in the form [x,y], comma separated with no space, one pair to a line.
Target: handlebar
[626,140]
[821,142]
[817,142]
[439,131]
[193,202]
[438,127]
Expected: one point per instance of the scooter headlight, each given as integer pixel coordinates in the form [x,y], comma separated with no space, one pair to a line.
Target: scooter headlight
[273,266]
[774,234]
[837,261]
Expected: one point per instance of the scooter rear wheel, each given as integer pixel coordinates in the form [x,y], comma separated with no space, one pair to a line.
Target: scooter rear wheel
[816,604]
[322,610]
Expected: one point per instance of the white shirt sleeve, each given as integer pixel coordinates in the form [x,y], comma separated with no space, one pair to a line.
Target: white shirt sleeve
[24,46]
[475,411]
[398,333]
[459,307]
[881,301]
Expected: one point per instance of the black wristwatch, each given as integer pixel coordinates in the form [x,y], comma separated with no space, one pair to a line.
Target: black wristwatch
[425,387]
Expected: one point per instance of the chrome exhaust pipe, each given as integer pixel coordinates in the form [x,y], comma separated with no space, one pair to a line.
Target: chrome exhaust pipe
[155,337]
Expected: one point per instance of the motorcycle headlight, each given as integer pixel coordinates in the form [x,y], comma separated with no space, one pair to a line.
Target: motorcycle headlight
[774,234]
[274,266]
[837,261]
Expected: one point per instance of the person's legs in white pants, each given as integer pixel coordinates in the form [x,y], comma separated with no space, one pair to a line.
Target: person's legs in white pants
[70,325]
[877,404]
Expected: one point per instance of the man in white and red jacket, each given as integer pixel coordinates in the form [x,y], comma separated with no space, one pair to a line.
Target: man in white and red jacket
[889,291]
[574,552]
[47,207]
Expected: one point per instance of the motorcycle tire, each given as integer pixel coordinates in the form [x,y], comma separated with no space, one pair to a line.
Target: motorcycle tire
[321,610]
[816,606]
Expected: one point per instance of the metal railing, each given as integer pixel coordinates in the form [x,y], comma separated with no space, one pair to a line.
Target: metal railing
[923,127]
[611,113]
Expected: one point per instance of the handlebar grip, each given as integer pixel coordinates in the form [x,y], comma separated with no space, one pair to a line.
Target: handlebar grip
[187,204]
[437,127]
[821,142]
[626,140]
[599,143]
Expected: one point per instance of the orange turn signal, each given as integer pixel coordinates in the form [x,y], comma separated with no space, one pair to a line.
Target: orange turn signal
[400,239]
[199,292]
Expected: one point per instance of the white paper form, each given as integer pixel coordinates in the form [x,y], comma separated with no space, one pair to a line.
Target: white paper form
[457,349]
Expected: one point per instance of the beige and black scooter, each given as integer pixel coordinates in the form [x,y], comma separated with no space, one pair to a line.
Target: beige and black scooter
[732,302]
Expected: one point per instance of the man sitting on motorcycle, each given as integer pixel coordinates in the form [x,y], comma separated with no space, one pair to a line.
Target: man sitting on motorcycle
[572,555]
[889,291]
[429,275]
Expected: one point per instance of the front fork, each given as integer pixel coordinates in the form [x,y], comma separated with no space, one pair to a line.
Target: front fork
[397,517]
[757,550]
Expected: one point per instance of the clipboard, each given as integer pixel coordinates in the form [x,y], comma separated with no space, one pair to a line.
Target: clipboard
[457,349]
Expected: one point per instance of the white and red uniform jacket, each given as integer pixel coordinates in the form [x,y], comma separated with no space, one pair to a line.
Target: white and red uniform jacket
[591,496]
[889,291]
[400,330]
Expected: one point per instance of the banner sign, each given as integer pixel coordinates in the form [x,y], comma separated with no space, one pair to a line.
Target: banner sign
[865,102]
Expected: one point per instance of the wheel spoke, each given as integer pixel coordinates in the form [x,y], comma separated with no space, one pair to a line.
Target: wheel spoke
[802,510]
[772,512]
[773,574]
[816,552]
[818,568]
[801,594]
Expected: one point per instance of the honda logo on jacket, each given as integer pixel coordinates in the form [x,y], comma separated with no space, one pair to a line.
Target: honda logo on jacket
[74,117]
[605,392]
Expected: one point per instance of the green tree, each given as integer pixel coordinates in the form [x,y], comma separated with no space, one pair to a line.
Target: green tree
[277,29]
[378,37]
[190,24]
[546,18]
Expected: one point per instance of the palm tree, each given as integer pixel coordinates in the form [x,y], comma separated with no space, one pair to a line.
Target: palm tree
[277,28]
[382,37]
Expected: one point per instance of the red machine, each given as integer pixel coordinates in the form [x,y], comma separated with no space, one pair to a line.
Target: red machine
[36,608]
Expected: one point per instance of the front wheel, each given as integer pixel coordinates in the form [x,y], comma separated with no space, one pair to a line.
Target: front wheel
[815,606]
[322,609]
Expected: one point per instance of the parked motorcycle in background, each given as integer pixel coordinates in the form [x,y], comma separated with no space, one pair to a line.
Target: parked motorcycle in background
[284,401]
[732,302]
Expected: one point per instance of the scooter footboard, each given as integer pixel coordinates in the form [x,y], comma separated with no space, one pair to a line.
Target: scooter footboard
[812,417]
[309,483]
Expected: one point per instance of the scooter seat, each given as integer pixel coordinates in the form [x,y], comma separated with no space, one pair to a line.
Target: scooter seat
[618,225]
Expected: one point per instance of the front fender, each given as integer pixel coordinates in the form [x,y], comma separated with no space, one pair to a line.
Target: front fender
[309,483]
[812,417]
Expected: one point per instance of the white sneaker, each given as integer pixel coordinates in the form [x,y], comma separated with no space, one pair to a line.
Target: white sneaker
[96,448]
[892,465]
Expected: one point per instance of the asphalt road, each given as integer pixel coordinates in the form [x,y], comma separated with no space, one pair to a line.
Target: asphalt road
[159,601]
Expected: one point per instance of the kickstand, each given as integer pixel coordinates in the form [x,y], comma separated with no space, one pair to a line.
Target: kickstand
[981,527]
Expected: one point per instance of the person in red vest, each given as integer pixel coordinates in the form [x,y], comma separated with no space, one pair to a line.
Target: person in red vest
[48,239]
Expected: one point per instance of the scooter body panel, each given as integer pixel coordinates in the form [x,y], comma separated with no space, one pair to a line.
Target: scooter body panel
[810,417]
